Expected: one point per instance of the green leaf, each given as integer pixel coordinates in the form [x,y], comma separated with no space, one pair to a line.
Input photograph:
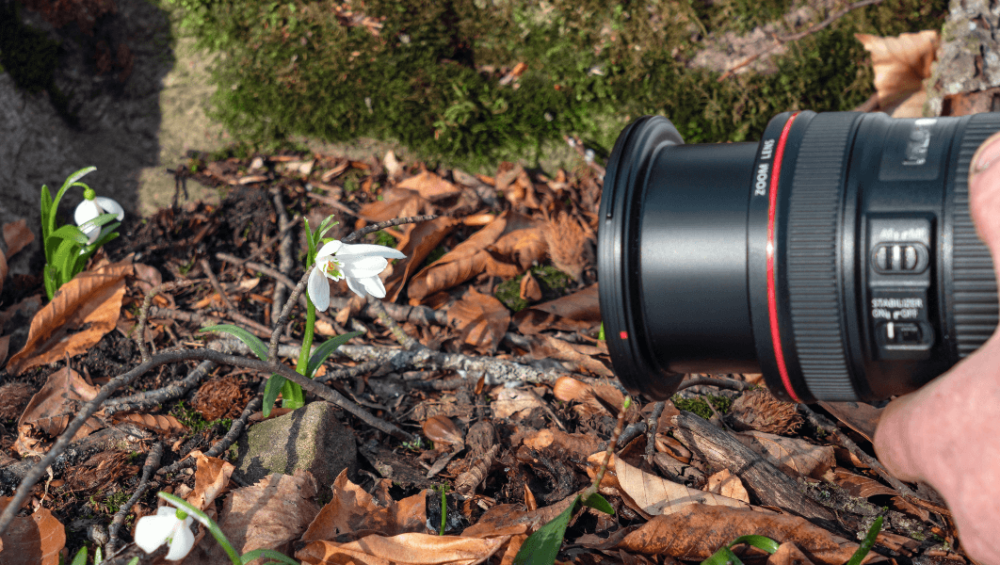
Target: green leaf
[271,390]
[98,555]
[257,553]
[70,181]
[311,244]
[71,233]
[542,547]
[107,235]
[598,502]
[134,561]
[867,544]
[51,276]
[724,556]
[324,351]
[81,557]
[760,542]
[325,227]
[46,198]
[251,341]
[100,220]
[64,260]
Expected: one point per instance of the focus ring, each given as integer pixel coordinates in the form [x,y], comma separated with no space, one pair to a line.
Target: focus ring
[813,288]
[974,302]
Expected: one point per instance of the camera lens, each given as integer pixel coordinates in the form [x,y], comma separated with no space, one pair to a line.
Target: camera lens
[836,256]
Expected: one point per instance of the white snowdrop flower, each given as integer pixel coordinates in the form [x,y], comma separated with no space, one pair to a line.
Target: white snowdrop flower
[360,264]
[170,526]
[92,207]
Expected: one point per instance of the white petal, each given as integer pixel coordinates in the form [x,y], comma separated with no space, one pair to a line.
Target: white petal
[319,290]
[365,249]
[374,286]
[356,286]
[330,248]
[152,531]
[182,543]
[85,211]
[362,267]
[110,206]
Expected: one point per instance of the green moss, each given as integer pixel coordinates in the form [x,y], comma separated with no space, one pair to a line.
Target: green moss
[700,406]
[430,79]
[551,279]
[382,238]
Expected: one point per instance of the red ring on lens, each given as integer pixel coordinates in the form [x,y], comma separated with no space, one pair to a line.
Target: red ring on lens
[772,297]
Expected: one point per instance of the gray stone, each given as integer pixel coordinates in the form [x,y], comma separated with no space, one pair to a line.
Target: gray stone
[309,438]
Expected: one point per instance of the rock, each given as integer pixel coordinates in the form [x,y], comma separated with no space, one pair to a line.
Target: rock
[967,75]
[309,438]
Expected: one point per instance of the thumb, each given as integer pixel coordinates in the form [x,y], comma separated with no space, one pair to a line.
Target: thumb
[984,194]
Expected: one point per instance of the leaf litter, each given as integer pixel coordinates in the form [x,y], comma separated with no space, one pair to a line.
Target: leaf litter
[513,455]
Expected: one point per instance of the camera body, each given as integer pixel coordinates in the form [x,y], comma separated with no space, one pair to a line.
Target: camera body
[836,256]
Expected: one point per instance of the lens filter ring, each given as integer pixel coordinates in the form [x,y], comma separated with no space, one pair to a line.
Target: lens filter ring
[619,289]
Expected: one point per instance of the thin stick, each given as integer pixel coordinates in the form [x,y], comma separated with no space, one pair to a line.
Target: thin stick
[284,252]
[397,332]
[152,463]
[386,224]
[612,445]
[279,324]
[205,266]
[140,327]
[223,444]
[652,424]
[148,399]
[88,409]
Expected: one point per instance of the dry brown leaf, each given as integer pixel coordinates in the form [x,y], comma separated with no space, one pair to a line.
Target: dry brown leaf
[859,485]
[530,290]
[32,540]
[522,242]
[395,203]
[859,416]
[582,445]
[17,235]
[570,247]
[510,401]
[578,311]
[465,261]
[698,531]
[430,186]
[759,410]
[481,319]
[271,514]
[159,422]
[13,398]
[211,477]
[788,554]
[352,510]
[442,430]
[404,549]
[901,64]
[51,409]
[728,485]
[81,312]
[417,244]
[654,495]
[792,455]
[545,346]
[593,399]
[4,342]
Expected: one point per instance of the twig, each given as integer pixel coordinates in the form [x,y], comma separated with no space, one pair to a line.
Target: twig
[252,326]
[279,324]
[652,424]
[205,266]
[223,444]
[397,332]
[358,234]
[204,354]
[284,252]
[781,40]
[140,327]
[147,399]
[152,463]
[612,445]
[718,383]
[350,372]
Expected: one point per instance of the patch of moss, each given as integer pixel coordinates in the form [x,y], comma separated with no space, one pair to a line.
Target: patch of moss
[551,279]
[700,406]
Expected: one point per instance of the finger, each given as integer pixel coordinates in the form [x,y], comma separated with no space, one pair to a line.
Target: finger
[984,193]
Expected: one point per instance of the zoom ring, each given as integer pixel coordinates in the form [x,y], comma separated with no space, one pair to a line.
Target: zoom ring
[974,300]
[813,288]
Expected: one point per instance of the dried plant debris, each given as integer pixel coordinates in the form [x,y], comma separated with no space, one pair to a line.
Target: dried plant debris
[759,410]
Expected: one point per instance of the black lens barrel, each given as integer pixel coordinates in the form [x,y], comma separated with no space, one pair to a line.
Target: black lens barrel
[836,255]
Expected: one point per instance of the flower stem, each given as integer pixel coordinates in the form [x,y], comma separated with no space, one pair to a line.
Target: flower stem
[291,392]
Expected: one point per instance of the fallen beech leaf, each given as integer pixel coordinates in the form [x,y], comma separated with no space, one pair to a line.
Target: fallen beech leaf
[404,549]
[582,445]
[211,477]
[465,261]
[859,416]
[51,409]
[159,422]
[440,429]
[551,347]
[859,485]
[81,312]
[352,510]
[430,186]
[654,495]
[728,485]
[901,64]
[395,203]
[13,399]
[481,319]
[789,554]
[4,343]
[593,399]
[578,311]
[530,290]
[510,401]
[17,235]
[269,514]
[570,246]
[697,531]
[32,540]
[522,242]
[792,455]
[417,244]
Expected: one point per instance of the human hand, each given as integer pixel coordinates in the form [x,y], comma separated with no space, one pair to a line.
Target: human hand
[947,434]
